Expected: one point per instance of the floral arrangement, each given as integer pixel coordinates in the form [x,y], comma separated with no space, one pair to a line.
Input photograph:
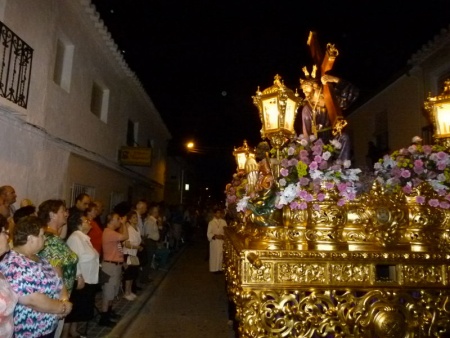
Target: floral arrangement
[309,170]
[406,169]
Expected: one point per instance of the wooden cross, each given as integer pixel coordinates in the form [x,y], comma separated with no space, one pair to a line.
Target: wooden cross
[325,62]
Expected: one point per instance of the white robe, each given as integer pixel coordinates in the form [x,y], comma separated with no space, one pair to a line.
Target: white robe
[215,227]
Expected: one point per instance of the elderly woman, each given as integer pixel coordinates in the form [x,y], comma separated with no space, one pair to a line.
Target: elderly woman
[8,298]
[83,296]
[56,251]
[42,296]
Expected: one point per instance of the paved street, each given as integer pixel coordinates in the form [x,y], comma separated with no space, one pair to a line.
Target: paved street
[184,301]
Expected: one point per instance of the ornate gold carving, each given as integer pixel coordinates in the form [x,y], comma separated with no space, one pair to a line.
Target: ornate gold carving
[300,273]
[349,273]
[317,313]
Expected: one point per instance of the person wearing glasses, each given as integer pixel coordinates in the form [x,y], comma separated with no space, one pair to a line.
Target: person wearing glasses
[42,297]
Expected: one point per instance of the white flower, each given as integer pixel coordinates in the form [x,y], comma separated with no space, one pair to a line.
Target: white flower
[326,155]
[347,163]
[437,185]
[303,142]
[312,138]
[316,174]
[242,204]
[288,194]
[416,139]
[336,144]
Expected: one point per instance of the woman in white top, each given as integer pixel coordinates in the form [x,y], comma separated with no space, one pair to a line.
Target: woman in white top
[130,250]
[83,296]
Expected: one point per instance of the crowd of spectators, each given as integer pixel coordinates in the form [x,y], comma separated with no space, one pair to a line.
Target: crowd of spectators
[55,261]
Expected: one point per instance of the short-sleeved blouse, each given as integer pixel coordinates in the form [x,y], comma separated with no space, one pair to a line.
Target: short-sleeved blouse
[58,253]
[134,236]
[27,277]
[8,300]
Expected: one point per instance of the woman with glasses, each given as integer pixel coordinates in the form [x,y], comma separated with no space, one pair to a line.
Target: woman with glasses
[83,295]
[56,251]
[42,297]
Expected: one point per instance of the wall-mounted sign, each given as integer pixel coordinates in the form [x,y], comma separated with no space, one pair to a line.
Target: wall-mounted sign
[138,156]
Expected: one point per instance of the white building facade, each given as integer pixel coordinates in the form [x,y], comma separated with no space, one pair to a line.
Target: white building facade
[396,114]
[76,105]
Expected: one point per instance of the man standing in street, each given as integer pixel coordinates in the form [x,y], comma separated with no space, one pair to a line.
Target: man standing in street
[81,203]
[216,236]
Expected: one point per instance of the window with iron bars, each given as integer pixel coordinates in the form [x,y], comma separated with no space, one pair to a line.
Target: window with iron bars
[15,67]
[80,189]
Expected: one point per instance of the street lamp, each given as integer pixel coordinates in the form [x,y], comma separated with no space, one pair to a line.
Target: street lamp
[439,109]
[242,154]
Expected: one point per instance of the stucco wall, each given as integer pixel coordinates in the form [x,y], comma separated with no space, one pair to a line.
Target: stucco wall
[403,103]
[42,165]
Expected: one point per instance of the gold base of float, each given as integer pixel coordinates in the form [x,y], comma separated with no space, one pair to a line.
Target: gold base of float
[376,267]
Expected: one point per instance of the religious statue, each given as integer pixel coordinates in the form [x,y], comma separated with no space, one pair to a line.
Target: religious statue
[260,209]
[326,98]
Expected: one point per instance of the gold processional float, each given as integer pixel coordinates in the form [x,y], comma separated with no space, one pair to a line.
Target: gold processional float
[311,253]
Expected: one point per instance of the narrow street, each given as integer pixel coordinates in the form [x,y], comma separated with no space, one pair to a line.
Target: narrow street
[184,301]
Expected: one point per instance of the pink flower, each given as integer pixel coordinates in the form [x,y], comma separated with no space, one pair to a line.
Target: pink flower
[329,185]
[412,149]
[441,166]
[284,172]
[302,194]
[444,205]
[292,162]
[407,189]
[433,202]
[316,207]
[317,158]
[442,156]
[418,163]
[427,149]
[313,165]
[405,173]
[303,206]
[304,181]
[420,199]
[320,197]
[342,187]
[341,202]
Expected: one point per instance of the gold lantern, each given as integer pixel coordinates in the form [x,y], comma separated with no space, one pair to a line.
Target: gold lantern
[277,107]
[439,109]
[242,154]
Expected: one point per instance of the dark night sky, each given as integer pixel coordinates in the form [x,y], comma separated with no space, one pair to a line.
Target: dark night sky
[201,61]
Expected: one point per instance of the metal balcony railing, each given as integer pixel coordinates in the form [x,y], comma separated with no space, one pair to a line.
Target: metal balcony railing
[15,68]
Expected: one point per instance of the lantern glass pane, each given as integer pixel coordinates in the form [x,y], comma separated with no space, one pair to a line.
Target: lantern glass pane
[442,111]
[270,108]
[290,115]
[241,158]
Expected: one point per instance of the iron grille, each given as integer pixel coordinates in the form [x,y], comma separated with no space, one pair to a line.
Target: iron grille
[15,67]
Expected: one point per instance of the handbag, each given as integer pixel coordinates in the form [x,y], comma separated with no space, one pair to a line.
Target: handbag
[132,260]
